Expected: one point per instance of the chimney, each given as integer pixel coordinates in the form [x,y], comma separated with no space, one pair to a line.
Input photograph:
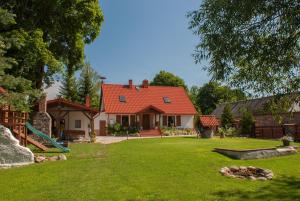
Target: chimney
[87,101]
[130,84]
[145,84]
[43,104]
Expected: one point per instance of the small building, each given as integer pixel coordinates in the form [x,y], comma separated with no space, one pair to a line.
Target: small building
[74,119]
[145,107]
[209,125]
[266,126]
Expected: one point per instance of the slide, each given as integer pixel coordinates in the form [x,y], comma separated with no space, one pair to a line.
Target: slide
[46,137]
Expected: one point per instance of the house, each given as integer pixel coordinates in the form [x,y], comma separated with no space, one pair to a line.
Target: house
[266,125]
[75,119]
[145,107]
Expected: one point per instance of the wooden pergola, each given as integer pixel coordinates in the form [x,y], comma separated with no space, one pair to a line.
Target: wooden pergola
[60,108]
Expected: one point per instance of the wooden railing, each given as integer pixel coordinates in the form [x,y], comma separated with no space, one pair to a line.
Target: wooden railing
[15,121]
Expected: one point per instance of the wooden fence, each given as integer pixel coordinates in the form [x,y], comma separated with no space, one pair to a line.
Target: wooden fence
[275,132]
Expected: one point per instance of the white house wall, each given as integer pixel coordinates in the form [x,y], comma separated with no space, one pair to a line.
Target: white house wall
[187,121]
[70,122]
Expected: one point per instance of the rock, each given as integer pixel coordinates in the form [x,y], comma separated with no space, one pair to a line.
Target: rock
[11,153]
[252,178]
[62,157]
[40,159]
[53,158]
[262,178]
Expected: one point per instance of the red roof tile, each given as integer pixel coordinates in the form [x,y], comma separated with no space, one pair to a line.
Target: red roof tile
[62,101]
[137,99]
[209,120]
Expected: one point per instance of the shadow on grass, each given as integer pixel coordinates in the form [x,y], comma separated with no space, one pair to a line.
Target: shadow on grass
[281,189]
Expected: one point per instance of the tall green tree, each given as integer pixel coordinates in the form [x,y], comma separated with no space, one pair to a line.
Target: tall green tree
[227,117]
[164,78]
[52,35]
[252,44]
[211,94]
[19,93]
[89,85]
[69,87]
[193,94]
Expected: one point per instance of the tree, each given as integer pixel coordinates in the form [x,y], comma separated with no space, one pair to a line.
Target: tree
[247,122]
[250,44]
[227,117]
[19,93]
[164,78]
[212,94]
[193,94]
[69,88]
[89,85]
[52,35]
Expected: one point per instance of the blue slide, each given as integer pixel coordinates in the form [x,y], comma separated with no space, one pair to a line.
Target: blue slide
[46,137]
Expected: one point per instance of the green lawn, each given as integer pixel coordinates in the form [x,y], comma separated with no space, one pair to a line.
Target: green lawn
[152,169]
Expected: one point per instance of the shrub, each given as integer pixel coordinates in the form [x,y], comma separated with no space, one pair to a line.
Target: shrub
[223,131]
[227,117]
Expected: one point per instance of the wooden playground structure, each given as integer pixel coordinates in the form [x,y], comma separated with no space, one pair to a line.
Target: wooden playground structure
[15,121]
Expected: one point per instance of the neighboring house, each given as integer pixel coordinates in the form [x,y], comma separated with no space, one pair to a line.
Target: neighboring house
[145,107]
[265,124]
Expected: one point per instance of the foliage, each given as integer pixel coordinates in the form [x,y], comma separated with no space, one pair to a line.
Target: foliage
[164,78]
[227,131]
[287,138]
[69,87]
[227,117]
[172,131]
[193,94]
[250,44]
[89,85]
[211,94]
[118,130]
[20,94]
[247,122]
[51,33]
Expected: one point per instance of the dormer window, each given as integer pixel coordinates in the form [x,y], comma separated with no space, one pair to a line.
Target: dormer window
[166,99]
[122,99]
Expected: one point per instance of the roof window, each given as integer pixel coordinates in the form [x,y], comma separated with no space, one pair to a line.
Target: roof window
[167,99]
[122,99]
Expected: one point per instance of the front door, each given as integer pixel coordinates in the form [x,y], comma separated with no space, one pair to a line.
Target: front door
[146,121]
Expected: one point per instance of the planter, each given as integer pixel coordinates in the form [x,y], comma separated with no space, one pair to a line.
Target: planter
[286,143]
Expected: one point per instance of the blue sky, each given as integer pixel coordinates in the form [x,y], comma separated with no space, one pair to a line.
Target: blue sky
[141,37]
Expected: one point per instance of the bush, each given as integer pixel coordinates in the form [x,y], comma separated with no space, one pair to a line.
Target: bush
[229,132]
[227,117]
[118,130]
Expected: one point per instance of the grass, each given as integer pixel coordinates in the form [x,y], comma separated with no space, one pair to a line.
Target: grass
[152,170]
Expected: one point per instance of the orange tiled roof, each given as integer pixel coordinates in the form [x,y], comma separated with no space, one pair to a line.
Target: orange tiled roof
[209,120]
[138,99]
[61,101]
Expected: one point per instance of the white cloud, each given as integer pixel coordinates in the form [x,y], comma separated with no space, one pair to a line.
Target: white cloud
[53,91]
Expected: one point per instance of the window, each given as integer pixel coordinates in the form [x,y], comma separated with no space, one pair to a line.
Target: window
[125,121]
[171,121]
[167,100]
[122,99]
[77,123]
